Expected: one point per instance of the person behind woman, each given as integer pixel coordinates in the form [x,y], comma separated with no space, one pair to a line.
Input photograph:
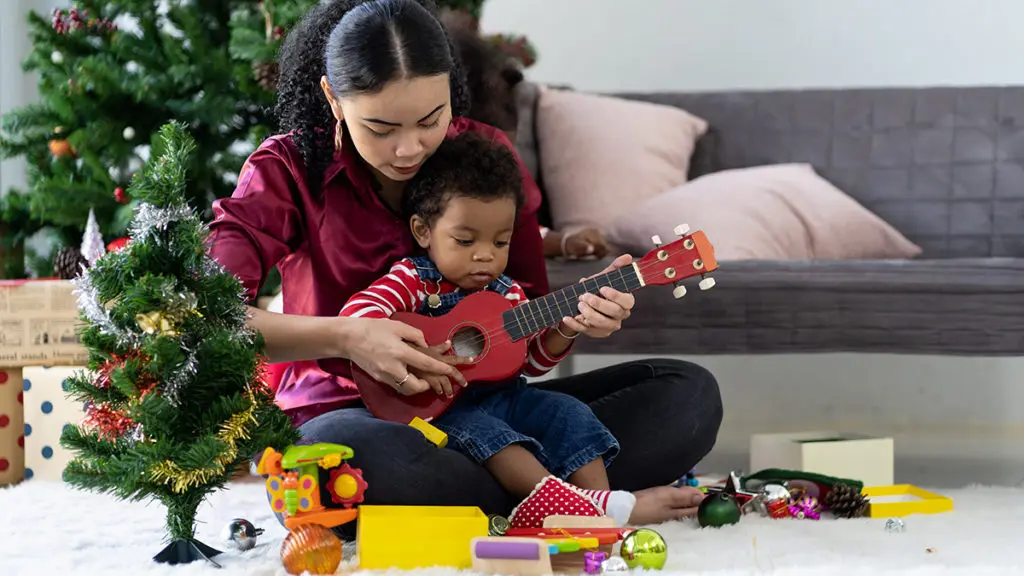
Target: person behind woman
[368,91]
[493,78]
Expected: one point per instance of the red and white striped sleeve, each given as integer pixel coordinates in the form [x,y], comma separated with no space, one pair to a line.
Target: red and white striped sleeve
[396,291]
[539,361]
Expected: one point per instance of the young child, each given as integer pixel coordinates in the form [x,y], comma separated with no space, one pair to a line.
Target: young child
[461,208]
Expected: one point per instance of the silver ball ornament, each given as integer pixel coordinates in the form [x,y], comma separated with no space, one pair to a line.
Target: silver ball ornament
[56,57]
[895,525]
[241,534]
[128,133]
[614,564]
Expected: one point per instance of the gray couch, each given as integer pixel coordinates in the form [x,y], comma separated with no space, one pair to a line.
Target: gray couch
[943,165]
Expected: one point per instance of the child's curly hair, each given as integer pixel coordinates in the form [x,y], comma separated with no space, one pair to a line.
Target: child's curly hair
[360,45]
[469,165]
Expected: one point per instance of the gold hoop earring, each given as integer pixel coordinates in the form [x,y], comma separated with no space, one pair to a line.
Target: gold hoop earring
[339,132]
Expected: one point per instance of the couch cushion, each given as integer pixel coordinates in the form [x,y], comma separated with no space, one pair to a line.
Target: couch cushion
[599,155]
[778,212]
[954,306]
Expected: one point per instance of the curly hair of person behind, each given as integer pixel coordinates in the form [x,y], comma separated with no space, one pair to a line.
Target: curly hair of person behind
[417,44]
[469,165]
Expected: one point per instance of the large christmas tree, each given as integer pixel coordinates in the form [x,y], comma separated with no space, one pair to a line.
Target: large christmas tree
[175,398]
[110,74]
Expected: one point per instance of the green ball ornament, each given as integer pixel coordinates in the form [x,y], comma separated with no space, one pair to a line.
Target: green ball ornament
[644,548]
[718,510]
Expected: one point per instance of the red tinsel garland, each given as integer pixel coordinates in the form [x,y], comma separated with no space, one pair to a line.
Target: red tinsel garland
[109,423]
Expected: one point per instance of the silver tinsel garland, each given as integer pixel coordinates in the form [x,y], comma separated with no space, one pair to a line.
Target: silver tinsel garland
[149,218]
[177,304]
[94,310]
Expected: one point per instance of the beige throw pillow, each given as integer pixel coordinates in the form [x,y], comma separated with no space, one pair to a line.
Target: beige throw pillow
[600,155]
[778,212]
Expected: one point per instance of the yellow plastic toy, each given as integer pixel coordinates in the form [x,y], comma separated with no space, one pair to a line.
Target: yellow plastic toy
[293,484]
[920,501]
[407,537]
[431,432]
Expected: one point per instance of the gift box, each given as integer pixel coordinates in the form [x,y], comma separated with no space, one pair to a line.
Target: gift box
[12,442]
[862,457]
[38,327]
[48,410]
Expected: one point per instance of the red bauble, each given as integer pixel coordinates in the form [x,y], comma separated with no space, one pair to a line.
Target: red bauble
[120,196]
[118,244]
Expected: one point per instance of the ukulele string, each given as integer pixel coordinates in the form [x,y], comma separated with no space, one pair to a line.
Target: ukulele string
[499,335]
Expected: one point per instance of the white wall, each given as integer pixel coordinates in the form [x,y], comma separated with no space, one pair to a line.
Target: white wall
[697,45]
[955,421]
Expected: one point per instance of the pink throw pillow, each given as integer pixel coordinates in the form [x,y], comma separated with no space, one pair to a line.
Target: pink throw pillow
[777,212]
[600,155]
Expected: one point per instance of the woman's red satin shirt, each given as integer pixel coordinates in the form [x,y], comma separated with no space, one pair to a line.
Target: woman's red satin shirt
[330,245]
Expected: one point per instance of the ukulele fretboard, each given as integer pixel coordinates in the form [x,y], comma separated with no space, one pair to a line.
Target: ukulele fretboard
[546,311]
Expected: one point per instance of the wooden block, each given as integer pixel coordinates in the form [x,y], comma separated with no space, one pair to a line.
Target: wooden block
[557,521]
[508,555]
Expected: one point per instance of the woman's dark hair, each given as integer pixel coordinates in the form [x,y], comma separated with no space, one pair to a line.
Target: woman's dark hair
[360,45]
[469,165]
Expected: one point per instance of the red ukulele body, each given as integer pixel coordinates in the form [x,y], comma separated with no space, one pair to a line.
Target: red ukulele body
[488,328]
[475,329]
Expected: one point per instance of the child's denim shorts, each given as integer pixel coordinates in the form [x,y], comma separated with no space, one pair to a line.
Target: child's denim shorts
[561,431]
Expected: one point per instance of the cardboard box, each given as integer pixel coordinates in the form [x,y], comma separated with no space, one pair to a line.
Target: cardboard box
[48,410]
[855,456]
[12,424]
[39,324]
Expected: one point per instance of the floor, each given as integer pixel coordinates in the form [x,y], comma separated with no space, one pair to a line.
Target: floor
[49,528]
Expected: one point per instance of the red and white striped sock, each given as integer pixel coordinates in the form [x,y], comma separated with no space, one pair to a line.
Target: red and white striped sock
[617,504]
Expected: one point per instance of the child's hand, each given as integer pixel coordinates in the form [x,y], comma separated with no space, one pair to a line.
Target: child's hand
[440,383]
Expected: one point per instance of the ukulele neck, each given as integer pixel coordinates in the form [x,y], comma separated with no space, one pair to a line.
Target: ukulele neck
[534,316]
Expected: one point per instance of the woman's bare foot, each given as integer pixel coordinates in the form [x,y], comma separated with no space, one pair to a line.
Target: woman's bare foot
[664,503]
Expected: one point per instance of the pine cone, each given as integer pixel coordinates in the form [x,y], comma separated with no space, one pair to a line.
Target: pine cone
[266,74]
[845,501]
[69,262]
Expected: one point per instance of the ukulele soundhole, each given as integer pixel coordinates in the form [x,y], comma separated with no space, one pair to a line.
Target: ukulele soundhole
[468,341]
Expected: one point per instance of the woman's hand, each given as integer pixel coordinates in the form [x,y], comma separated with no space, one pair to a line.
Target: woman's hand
[397,354]
[600,317]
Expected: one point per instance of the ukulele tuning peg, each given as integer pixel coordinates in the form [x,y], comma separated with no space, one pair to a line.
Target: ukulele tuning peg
[679,291]
[656,240]
[706,283]
[682,230]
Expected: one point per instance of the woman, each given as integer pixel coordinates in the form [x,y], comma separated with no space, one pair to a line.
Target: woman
[368,91]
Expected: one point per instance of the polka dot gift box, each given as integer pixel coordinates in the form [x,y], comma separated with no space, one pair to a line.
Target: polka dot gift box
[12,443]
[47,411]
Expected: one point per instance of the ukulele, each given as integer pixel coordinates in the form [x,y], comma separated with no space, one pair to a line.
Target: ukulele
[488,328]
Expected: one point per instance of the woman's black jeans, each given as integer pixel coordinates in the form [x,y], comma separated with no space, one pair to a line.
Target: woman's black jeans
[665,414]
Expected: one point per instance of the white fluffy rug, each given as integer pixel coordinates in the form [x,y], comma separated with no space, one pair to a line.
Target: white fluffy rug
[48,528]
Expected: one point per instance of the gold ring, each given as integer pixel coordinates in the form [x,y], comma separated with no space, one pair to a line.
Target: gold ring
[402,381]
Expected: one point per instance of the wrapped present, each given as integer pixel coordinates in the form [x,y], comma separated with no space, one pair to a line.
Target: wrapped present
[48,410]
[12,442]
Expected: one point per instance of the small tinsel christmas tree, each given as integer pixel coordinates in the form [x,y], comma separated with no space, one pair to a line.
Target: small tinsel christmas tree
[92,241]
[176,402]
